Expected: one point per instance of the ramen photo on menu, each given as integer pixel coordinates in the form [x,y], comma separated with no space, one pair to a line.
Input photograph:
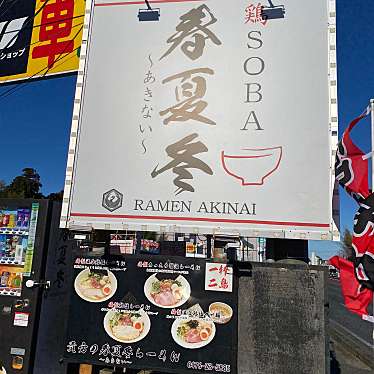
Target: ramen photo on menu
[95,286]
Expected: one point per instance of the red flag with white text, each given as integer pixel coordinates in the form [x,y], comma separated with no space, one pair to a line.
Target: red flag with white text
[351,171]
[351,168]
[356,297]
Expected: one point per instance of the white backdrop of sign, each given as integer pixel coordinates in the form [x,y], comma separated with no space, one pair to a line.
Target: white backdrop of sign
[212,119]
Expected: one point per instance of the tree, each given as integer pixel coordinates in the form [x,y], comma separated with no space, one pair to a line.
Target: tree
[347,250]
[56,196]
[25,186]
[2,186]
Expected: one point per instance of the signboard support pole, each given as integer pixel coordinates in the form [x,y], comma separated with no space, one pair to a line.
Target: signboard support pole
[209,246]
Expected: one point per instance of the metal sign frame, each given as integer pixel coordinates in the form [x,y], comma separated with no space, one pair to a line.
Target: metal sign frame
[122,222]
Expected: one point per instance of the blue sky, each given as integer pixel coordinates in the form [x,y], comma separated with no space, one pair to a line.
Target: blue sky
[35,119]
[355,53]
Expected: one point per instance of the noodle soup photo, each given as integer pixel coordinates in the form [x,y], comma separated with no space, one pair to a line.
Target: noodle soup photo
[167,292]
[220,312]
[193,333]
[127,326]
[95,286]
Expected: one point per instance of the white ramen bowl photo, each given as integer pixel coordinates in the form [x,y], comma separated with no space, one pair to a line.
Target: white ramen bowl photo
[95,287]
[127,326]
[167,293]
[193,333]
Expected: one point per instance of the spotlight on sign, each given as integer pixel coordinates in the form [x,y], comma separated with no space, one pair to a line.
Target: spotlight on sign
[149,14]
[272,11]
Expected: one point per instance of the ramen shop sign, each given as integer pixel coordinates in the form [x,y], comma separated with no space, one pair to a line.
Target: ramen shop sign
[205,114]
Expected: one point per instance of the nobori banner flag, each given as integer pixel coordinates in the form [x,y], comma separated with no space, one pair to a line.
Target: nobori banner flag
[356,298]
[216,118]
[351,167]
[351,170]
[39,38]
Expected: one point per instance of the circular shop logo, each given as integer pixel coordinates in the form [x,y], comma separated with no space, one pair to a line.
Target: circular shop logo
[112,200]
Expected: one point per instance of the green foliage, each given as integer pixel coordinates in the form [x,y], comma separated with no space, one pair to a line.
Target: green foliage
[26,186]
[347,250]
[2,186]
[56,196]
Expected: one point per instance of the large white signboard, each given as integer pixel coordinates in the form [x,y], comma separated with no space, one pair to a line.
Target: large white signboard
[219,117]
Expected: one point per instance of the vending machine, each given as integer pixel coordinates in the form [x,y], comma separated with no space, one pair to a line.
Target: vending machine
[24,228]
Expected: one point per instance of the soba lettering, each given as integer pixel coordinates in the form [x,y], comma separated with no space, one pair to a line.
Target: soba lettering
[192,33]
[253,66]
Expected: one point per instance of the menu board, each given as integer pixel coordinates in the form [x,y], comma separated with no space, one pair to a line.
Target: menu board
[153,312]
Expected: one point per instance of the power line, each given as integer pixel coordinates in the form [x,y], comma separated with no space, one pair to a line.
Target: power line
[27,22]
[42,24]
[8,8]
[62,20]
[47,67]
[21,85]
[3,82]
[2,4]
[60,57]
[64,51]
[39,41]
